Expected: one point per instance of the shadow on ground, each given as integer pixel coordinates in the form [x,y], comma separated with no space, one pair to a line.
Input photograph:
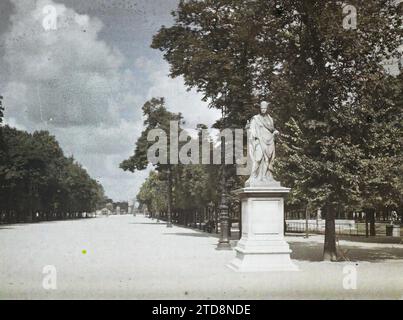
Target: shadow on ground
[376,239]
[307,250]
[199,235]
[149,223]
[312,251]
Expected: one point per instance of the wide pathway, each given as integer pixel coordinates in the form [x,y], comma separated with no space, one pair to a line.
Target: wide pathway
[130,257]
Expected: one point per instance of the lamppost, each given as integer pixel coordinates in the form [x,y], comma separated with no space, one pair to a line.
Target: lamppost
[169,213]
[223,242]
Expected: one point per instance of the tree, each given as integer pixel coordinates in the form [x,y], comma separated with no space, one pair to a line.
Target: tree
[194,187]
[156,117]
[1,110]
[3,152]
[210,45]
[37,182]
[328,79]
[152,194]
[317,74]
[381,179]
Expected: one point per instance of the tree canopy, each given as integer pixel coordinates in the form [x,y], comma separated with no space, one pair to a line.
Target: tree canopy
[38,182]
[337,107]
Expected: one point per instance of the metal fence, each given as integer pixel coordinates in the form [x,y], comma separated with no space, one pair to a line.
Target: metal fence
[357,229]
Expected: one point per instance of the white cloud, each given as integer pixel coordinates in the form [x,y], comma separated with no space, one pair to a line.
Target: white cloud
[100,140]
[65,76]
[78,87]
[178,99]
[73,84]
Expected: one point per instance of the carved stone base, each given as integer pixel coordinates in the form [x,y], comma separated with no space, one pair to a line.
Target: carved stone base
[262,246]
[266,182]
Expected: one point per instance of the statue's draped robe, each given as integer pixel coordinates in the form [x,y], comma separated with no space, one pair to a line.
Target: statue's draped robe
[261,147]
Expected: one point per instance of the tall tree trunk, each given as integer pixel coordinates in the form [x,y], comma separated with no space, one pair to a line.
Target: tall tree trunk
[306,221]
[366,225]
[372,231]
[28,217]
[169,213]
[329,249]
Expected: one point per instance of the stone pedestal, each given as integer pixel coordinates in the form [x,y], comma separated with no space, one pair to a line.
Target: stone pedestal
[262,246]
[396,230]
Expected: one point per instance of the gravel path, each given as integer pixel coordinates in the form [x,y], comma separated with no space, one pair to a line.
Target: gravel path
[126,257]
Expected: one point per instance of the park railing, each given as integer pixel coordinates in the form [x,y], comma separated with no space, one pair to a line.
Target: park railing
[346,228]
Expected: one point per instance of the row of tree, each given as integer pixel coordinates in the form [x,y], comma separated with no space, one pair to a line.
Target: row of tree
[38,182]
[185,191]
[338,109]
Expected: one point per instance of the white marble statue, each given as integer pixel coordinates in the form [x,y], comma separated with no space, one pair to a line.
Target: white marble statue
[261,148]
[262,247]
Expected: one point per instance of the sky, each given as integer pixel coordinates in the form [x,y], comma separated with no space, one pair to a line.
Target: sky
[85,79]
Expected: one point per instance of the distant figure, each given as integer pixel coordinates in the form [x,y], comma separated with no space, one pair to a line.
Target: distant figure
[395,217]
[319,214]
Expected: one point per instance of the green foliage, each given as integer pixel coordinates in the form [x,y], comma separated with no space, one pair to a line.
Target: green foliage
[194,186]
[36,177]
[152,193]
[334,99]
[1,110]
[337,108]
[156,117]
[210,46]
[324,83]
